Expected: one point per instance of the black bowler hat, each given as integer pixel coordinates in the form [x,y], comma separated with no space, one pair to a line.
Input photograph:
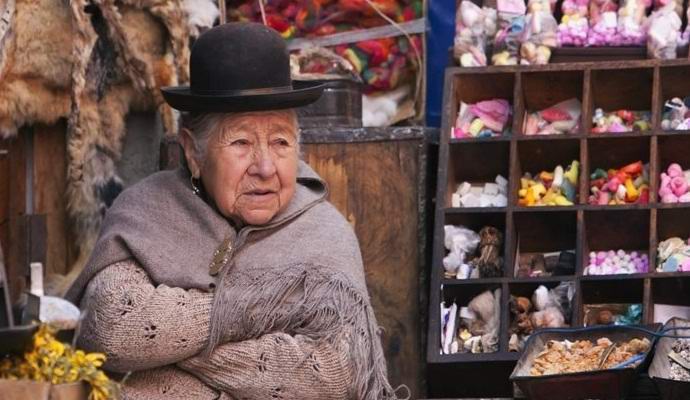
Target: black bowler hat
[240,66]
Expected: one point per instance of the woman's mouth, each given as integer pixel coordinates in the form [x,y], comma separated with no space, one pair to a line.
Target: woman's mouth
[260,195]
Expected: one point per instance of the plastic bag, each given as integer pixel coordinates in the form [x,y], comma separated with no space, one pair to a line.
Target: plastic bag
[507,42]
[470,35]
[631,22]
[534,6]
[677,6]
[572,31]
[511,23]
[663,33]
[459,241]
[539,36]
[603,22]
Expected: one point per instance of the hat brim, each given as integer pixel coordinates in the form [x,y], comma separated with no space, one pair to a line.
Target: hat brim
[302,93]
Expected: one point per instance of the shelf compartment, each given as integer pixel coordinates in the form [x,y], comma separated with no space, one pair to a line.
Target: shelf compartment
[672,149]
[541,90]
[621,89]
[477,221]
[527,289]
[614,291]
[473,88]
[476,163]
[614,153]
[670,291]
[674,83]
[535,156]
[545,232]
[670,223]
[616,229]
[462,296]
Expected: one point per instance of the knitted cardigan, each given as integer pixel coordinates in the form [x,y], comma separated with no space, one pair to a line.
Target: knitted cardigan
[200,309]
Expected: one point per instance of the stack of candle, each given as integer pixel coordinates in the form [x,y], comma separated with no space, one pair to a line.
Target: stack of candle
[628,185]
[557,188]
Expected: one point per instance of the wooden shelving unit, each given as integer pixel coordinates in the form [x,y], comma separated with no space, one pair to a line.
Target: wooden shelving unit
[639,85]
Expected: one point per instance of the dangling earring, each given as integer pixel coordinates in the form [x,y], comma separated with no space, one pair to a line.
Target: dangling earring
[195,187]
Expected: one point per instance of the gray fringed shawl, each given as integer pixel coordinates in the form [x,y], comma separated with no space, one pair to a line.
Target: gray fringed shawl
[300,274]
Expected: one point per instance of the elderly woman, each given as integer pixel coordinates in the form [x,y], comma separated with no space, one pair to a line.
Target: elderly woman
[233,277]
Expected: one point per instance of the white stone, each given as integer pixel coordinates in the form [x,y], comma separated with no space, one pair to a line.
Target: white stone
[455,200]
[470,200]
[502,183]
[477,190]
[501,200]
[486,200]
[464,188]
[491,189]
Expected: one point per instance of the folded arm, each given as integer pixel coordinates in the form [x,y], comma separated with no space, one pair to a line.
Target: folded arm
[138,325]
[276,365]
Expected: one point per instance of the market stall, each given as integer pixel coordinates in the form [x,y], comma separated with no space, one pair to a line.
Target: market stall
[534,246]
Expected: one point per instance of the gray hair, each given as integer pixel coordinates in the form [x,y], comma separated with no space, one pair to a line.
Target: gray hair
[204,125]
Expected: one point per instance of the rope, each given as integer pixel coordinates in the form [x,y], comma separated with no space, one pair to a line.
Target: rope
[263,12]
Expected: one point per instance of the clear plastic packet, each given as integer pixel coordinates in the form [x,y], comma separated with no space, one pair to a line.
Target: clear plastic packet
[631,22]
[534,6]
[663,33]
[507,42]
[572,31]
[470,35]
[603,23]
[511,23]
[677,6]
[538,38]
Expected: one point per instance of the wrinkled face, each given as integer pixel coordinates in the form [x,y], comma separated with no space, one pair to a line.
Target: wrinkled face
[250,165]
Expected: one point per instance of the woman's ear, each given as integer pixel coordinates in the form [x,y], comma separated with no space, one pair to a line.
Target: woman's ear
[190,151]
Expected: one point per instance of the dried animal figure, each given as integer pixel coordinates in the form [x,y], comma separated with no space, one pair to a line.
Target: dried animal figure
[489,261]
[520,308]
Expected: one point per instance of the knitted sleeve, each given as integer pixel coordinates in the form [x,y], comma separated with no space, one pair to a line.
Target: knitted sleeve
[276,366]
[141,326]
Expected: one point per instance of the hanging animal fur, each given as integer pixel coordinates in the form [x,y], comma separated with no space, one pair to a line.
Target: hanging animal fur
[91,62]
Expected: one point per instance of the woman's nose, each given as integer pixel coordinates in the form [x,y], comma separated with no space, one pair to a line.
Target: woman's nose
[262,164]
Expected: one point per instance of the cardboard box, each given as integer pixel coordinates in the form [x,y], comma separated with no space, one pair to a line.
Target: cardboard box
[29,390]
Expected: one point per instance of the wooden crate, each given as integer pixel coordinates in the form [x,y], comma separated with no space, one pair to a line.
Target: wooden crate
[641,85]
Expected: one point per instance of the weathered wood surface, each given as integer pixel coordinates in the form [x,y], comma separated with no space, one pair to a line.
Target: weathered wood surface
[376,185]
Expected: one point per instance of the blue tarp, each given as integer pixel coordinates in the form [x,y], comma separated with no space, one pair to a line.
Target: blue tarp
[441,21]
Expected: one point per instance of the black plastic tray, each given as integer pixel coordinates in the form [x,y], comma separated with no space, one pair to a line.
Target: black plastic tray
[660,368]
[604,384]
[15,340]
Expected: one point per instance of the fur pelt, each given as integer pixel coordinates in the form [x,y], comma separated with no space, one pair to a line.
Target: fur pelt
[91,62]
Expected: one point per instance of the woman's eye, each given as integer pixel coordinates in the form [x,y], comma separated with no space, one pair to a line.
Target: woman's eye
[240,142]
[281,142]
